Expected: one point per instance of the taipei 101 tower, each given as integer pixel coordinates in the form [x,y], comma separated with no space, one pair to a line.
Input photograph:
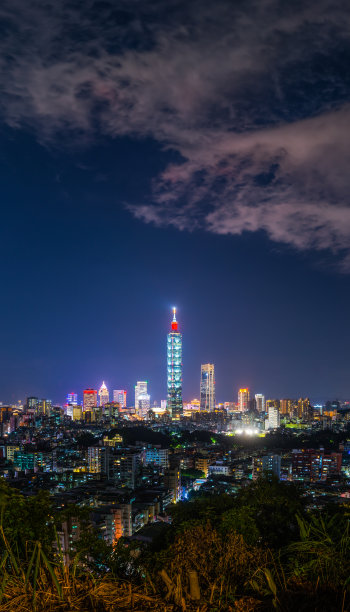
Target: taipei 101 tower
[174,365]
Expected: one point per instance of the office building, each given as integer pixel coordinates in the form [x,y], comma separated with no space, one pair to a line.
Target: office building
[103,395]
[243,400]
[72,399]
[77,413]
[272,403]
[119,395]
[140,393]
[260,402]
[32,404]
[111,411]
[44,407]
[286,406]
[144,405]
[89,399]
[174,370]
[207,387]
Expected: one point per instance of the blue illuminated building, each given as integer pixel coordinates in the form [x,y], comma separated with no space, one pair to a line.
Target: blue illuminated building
[174,370]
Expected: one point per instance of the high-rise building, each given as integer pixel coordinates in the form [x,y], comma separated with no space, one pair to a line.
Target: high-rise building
[260,402]
[174,369]
[44,406]
[72,398]
[140,390]
[273,420]
[103,394]
[32,404]
[207,388]
[305,410]
[275,403]
[98,459]
[119,395]
[243,400]
[144,405]
[77,413]
[89,399]
[286,406]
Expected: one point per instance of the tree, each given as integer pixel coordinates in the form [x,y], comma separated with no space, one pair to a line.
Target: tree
[274,506]
[26,519]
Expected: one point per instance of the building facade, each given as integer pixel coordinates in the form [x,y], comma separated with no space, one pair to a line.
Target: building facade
[119,395]
[103,395]
[207,388]
[140,393]
[174,370]
[158,456]
[89,399]
[243,400]
[267,464]
[72,399]
[315,465]
[273,420]
[260,402]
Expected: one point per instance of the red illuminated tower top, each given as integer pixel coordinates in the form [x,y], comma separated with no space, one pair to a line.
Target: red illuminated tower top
[174,323]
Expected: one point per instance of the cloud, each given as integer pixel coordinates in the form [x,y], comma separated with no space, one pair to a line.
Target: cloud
[253,96]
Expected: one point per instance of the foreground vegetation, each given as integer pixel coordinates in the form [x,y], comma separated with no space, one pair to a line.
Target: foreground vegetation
[258,551]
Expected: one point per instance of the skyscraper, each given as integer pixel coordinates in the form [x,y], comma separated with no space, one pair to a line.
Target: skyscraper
[89,399]
[260,402]
[119,395]
[243,400]
[103,394]
[140,393]
[32,404]
[174,369]
[72,398]
[144,405]
[44,407]
[207,387]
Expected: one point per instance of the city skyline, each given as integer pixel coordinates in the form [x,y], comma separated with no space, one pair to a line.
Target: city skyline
[175,170]
[206,389]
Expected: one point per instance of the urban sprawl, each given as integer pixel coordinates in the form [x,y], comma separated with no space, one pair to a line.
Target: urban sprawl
[127,465]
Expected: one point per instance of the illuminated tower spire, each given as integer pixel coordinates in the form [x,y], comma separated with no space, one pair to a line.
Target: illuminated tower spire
[174,321]
[174,369]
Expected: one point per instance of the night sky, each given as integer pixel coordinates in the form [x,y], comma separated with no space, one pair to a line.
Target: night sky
[191,154]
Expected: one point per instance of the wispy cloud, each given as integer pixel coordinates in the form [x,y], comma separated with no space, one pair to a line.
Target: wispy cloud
[254,96]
